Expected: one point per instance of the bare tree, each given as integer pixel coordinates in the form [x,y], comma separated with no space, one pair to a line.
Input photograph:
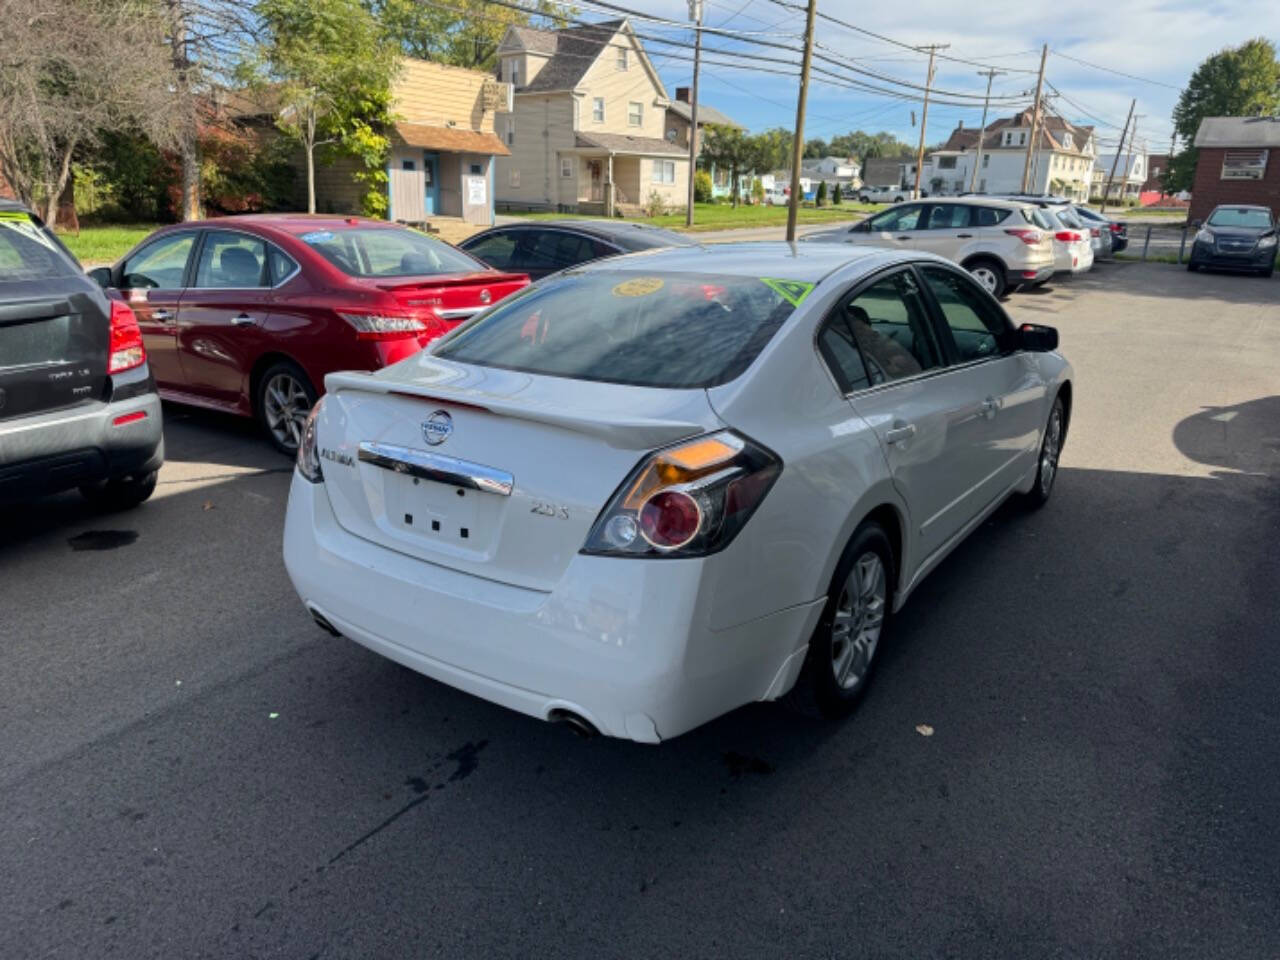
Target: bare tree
[68,69]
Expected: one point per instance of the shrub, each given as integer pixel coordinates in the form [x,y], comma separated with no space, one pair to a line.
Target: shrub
[757,190]
[836,198]
[820,198]
[655,206]
[702,187]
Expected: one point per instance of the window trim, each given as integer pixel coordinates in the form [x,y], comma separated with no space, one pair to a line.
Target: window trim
[659,164]
[623,61]
[188,270]
[597,101]
[570,174]
[942,330]
[639,122]
[197,250]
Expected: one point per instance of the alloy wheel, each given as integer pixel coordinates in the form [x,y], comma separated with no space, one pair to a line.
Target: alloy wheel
[985,276]
[285,408]
[859,618]
[1050,450]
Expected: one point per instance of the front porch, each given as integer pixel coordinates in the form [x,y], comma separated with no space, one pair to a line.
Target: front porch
[441,172]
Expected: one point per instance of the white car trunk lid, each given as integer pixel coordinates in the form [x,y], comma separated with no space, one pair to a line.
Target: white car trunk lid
[490,472]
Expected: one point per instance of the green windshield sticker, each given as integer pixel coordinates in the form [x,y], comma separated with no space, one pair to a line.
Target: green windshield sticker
[14,215]
[792,291]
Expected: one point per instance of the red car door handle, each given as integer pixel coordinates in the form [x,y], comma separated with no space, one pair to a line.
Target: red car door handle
[242,320]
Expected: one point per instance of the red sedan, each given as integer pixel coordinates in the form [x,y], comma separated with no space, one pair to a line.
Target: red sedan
[247,314]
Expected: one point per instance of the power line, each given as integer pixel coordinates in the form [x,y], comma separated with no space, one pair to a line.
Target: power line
[1118,73]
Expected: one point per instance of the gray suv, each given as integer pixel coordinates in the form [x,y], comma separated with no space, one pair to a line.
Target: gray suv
[78,405]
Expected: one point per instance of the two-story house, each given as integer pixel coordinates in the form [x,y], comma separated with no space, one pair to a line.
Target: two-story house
[587,128]
[1061,161]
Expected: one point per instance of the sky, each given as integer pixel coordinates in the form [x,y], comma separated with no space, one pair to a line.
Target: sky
[1156,40]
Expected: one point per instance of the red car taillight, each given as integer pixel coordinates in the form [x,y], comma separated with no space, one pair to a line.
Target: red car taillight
[1026,235]
[384,325]
[1117,227]
[1068,236]
[126,350]
[1095,232]
[688,500]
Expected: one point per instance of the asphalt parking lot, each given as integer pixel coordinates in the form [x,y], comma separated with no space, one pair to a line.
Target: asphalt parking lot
[190,768]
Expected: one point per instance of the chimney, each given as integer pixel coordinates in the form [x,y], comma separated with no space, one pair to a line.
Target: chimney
[682,94]
[961,125]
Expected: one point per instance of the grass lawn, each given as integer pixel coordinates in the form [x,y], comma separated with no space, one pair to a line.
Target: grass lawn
[722,216]
[97,246]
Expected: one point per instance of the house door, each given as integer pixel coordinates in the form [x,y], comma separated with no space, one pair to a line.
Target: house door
[431,182]
[597,184]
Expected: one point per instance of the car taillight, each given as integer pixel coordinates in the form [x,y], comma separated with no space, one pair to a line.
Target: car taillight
[1117,227]
[386,326]
[308,453]
[688,500]
[1095,232]
[1026,235]
[1068,236]
[126,350]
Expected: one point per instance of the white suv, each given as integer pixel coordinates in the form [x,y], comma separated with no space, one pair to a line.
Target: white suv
[1005,244]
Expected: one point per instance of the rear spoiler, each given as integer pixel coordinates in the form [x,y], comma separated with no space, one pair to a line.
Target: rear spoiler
[617,430]
[480,277]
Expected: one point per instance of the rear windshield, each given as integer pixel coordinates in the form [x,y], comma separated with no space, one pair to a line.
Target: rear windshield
[650,330]
[388,252]
[29,252]
[1240,217]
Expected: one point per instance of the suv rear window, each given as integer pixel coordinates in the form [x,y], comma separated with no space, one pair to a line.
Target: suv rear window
[989,216]
[388,252]
[29,252]
[679,330]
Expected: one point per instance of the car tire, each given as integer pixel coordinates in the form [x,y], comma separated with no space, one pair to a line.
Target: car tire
[1055,432]
[851,631]
[990,274]
[1192,266]
[284,398]
[119,493]
[898,199]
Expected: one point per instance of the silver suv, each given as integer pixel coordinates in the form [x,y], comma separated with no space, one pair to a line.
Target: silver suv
[1005,244]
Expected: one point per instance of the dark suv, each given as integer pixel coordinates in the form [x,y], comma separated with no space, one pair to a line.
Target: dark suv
[78,405]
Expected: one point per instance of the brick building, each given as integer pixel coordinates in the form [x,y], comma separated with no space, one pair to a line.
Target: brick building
[1239,162]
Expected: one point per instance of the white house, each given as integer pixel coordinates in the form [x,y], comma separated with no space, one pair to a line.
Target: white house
[1130,175]
[1061,162]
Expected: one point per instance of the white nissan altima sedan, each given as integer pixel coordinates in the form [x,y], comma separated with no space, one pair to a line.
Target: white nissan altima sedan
[649,490]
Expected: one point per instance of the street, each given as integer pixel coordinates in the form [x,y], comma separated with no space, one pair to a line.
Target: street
[189,767]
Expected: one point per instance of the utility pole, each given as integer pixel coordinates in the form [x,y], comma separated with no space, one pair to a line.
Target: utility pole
[933,48]
[1035,119]
[797,148]
[695,14]
[1128,163]
[1106,191]
[982,130]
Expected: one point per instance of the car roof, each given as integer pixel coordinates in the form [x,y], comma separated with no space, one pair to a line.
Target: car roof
[611,229]
[807,262]
[998,202]
[1240,206]
[8,205]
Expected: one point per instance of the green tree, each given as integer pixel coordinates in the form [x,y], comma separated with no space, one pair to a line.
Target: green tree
[330,68]
[836,198]
[728,148]
[1242,81]
[463,33]
[820,198]
[814,149]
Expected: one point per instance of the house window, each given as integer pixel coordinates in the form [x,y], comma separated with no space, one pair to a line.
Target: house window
[664,171]
[1244,164]
[1022,138]
[597,109]
[635,113]
[982,185]
[622,58]
[406,164]
[946,163]
[513,72]
[1066,140]
[986,162]
[566,167]
[959,186]
[477,170]
[514,178]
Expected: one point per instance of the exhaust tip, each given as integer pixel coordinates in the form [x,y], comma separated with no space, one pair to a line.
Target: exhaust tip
[322,623]
[578,724]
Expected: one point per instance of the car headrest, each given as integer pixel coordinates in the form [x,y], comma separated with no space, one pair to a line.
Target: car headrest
[414,262]
[238,267]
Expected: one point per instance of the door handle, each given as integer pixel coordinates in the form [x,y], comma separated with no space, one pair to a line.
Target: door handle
[907,237]
[161,315]
[964,236]
[990,406]
[900,433]
[243,320]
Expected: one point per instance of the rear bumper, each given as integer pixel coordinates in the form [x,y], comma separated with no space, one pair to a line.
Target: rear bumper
[625,644]
[49,452]
[1030,276]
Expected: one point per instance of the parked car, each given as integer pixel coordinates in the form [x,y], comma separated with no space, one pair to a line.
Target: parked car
[1005,244]
[540,248]
[886,194]
[1118,229]
[78,405]
[617,520]
[1074,217]
[247,314]
[1236,238]
[1072,244]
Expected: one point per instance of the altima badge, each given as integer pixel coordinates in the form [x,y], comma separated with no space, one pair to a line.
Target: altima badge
[437,428]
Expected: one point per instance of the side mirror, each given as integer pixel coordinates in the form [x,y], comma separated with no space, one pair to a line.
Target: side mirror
[1197,224]
[1037,338]
[101,276]
[863,227]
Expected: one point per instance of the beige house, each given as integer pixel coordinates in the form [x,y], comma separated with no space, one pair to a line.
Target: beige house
[443,147]
[587,127]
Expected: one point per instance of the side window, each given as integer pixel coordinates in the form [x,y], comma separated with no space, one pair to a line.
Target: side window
[989,216]
[497,249]
[903,218]
[231,261]
[890,325]
[158,265]
[978,327]
[840,350]
[281,265]
[948,216]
